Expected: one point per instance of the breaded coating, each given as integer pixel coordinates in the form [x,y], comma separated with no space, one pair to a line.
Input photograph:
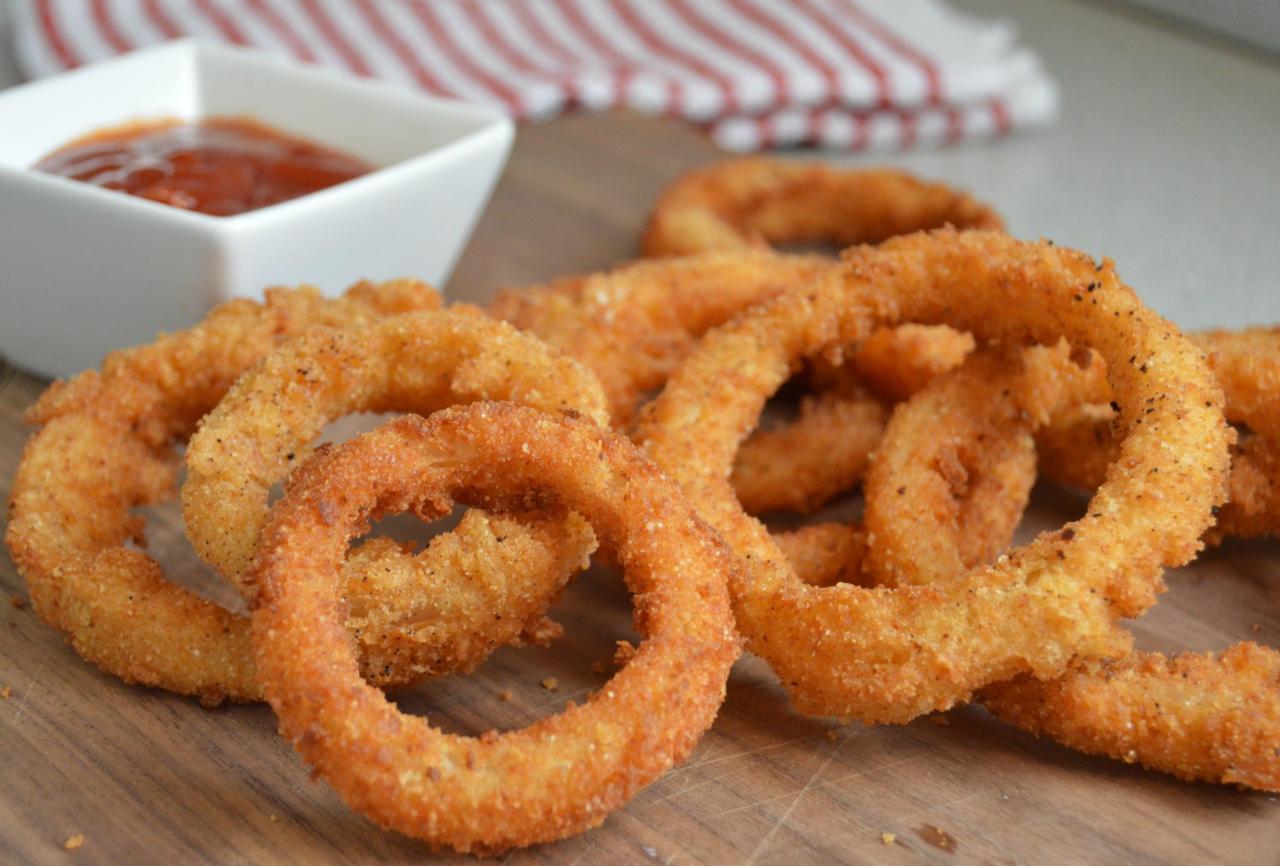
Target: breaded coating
[1199,716]
[823,452]
[106,447]
[756,201]
[954,471]
[1077,447]
[420,363]
[824,554]
[633,325]
[449,607]
[891,654]
[565,773]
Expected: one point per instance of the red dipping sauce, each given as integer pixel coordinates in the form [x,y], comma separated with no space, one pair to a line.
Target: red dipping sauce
[218,166]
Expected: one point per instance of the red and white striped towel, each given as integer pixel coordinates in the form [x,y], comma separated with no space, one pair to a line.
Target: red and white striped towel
[851,74]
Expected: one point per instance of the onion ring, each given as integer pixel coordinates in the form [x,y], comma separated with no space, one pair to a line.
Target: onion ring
[106,446]
[824,451]
[633,325]
[1195,715]
[756,201]
[1198,716]
[953,473]
[448,608]
[894,363]
[890,654]
[563,774]
[1074,449]
[418,363]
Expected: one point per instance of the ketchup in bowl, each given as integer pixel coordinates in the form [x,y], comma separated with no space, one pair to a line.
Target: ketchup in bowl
[217,166]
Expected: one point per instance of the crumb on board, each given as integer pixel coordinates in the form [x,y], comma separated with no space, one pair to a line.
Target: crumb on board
[597,667]
[937,837]
[940,720]
[649,851]
[73,842]
[505,695]
[273,818]
[16,602]
[6,692]
[888,838]
[832,736]
[551,684]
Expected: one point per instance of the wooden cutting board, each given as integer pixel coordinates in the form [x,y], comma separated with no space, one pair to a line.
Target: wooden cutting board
[148,777]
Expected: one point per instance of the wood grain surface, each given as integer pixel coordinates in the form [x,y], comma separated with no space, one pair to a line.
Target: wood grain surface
[147,777]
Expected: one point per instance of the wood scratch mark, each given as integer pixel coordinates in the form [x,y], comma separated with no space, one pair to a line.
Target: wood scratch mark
[22,705]
[878,768]
[682,772]
[782,819]
[712,748]
[706,762]
[752,805]
[689,790]
[540,709]
[817,787]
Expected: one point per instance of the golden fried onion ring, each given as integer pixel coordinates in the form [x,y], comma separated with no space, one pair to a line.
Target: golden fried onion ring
[447,608]
[1202,716]
[1198,716]
[954,471]
[1074,450]
[562,774]
[419,363]
[823,452]
[106,447]
[633,325]
[756,201]
[890,654]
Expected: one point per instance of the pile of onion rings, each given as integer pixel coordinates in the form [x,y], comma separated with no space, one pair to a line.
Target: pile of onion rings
[106,445]
[1198,716]
[938,362]
[891,654]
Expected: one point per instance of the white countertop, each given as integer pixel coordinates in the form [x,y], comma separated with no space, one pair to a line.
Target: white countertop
[1166,158]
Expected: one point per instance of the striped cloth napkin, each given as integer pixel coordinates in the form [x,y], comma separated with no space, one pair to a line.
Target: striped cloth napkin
[756,74]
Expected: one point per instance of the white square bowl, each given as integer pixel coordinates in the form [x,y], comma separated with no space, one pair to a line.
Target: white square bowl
[84,270]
